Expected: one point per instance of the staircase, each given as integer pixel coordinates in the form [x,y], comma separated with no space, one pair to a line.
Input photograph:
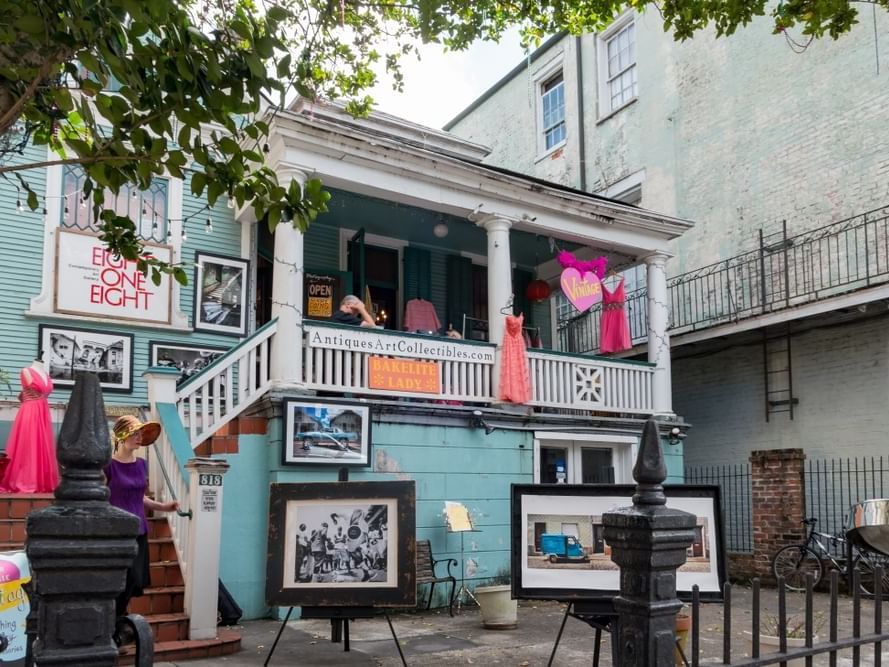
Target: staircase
[162,604]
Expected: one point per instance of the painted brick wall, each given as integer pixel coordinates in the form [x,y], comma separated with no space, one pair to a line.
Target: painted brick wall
[840,378]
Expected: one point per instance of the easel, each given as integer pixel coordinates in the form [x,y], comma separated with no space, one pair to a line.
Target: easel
[339,616]
[459,521]
[598,614]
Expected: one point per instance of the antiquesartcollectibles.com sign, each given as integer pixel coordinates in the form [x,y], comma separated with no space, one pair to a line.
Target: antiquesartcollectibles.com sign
[91,281]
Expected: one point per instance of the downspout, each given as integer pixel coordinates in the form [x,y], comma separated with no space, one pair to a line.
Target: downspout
[581,138]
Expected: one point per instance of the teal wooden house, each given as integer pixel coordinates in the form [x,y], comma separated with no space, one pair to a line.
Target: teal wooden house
[415,217]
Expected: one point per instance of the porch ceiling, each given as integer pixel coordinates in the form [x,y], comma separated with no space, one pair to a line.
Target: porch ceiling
[370,159]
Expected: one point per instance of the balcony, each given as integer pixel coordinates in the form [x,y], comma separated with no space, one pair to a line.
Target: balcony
[376,362]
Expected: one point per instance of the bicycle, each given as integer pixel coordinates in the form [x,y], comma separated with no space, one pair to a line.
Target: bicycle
[796,561]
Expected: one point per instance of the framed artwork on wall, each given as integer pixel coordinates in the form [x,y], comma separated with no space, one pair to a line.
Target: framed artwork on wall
[342,544]
[220,294]
[559,551]
[322,432]
[188,359]
[68,350]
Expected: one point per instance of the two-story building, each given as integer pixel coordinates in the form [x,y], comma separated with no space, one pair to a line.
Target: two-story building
[415,215]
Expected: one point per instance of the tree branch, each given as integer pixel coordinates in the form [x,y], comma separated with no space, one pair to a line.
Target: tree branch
[13,113]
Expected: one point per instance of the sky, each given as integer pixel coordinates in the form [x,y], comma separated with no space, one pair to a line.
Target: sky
[441,85]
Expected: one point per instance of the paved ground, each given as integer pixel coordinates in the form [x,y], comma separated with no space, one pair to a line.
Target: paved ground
[433,638]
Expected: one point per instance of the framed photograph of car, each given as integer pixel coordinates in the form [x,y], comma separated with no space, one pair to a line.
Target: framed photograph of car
[559,550]
[342,544]
[326,433]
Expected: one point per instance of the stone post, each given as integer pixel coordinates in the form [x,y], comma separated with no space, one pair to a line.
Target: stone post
[202,558]
[80,547]
[648,541]
[778,497]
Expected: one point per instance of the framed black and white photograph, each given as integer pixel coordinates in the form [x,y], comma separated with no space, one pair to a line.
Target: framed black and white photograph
[68,350]
[342,544]
[221,294]
[189,360]
[559,551]
[326,433]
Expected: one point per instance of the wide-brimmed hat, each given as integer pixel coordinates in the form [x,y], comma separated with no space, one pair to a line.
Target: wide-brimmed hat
[128,425]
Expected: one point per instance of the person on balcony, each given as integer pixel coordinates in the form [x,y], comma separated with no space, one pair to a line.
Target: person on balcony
[353,311]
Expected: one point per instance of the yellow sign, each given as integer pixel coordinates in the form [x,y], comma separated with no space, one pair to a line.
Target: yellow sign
[320,306]
[404,375]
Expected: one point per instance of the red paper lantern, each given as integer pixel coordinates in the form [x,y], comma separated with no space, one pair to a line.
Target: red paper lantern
[538,290]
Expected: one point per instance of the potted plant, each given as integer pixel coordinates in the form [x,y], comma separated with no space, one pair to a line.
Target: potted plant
[770,641]
[499,611]
[683,627]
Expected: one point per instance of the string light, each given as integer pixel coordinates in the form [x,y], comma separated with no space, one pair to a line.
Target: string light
[18,206]
[184,233]
[208,227]
[169,236]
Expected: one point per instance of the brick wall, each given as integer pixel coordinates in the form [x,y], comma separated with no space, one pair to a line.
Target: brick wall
[225,440]
[778,499]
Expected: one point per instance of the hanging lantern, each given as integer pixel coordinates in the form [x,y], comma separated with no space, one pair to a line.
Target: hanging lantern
[538,290]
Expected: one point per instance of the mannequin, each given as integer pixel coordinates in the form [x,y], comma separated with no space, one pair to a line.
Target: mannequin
[31,446]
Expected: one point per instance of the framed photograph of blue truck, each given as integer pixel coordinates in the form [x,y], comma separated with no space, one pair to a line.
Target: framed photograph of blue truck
[326,433]
[559,551]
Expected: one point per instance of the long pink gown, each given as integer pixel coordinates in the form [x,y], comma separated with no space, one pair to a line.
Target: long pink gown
[515,377]
[614,327]
[31,446]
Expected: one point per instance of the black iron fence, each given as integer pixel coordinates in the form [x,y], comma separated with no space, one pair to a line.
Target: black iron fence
[734,484]
[835,485]
[784,271]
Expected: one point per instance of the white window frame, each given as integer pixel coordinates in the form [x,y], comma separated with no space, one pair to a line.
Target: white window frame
[602,39]
[623,451]
[43,305]
[539,79]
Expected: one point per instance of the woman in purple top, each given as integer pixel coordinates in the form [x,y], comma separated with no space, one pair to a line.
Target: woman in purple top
[127,479]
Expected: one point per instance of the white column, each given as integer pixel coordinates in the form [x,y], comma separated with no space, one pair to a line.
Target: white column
[287,297]
[658,338]
[499,274]
[202,559]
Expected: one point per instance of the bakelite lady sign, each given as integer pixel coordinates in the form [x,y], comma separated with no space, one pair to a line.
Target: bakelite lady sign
[92,281]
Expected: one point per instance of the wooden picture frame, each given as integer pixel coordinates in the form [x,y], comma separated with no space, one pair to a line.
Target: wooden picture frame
[342,544]
[69,350]
[220,294]
[188,359]
[326,432]
[548,565]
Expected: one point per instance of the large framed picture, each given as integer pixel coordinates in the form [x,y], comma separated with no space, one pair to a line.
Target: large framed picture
[559,551]
[326,433]
[68,350]
[342,544]
[187,359]
[220,294]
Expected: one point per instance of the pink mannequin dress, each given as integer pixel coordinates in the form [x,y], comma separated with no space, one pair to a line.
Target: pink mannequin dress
[515,378]
[31,447]
[614,327]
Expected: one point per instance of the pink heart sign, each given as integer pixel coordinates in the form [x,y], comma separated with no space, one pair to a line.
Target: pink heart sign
[584,291]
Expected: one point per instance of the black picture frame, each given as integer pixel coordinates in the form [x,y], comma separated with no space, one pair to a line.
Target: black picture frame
[332,544]
[188,358]
[221,296]
[326,432]
[537,576]
[70,350]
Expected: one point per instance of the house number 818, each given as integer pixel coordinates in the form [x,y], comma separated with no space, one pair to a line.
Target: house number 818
[210,480]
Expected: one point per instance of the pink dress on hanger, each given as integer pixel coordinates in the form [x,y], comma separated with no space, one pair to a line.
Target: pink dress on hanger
[31,446]
[515,378]
[614,327]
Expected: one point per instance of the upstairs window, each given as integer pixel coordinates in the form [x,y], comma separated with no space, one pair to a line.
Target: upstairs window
[148,208]
[617,65]
[552,101]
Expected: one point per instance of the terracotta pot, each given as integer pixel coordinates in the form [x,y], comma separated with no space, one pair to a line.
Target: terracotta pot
[683,627]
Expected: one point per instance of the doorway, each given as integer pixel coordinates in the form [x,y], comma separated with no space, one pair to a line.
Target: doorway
[375,270]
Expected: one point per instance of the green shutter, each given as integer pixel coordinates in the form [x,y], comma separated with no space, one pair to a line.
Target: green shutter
[417,274]
[459,295]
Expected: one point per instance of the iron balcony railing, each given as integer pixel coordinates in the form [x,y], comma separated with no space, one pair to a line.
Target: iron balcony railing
[783,272]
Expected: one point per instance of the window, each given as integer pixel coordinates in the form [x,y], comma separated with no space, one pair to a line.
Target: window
[147,209]
[617,65]
[553,105]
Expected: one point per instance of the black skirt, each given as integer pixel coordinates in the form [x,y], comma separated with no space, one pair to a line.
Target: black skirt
[139,574]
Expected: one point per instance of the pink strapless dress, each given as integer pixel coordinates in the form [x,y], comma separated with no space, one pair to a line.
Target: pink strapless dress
[31,445]
[614,328]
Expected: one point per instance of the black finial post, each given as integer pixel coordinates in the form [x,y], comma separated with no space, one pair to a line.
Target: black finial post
[80,547]
[648,541]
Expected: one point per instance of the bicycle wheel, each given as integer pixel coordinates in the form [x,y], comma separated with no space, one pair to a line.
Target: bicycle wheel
[794,563]
[866,564]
